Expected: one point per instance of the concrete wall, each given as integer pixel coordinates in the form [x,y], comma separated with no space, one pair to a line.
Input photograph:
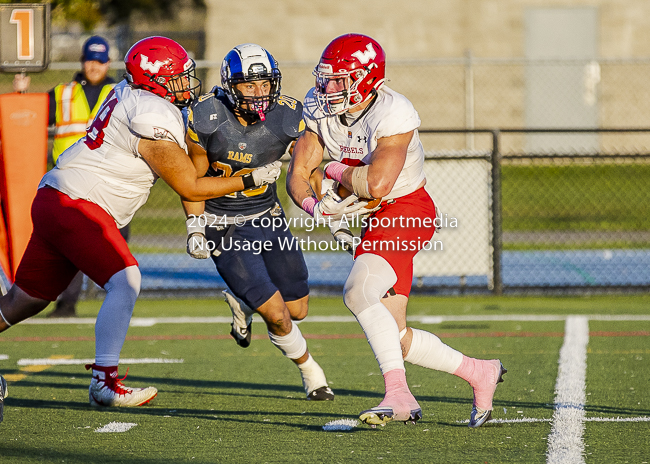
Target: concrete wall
[298,30]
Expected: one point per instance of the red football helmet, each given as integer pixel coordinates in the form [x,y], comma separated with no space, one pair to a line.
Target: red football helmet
[351,68]
[161,66]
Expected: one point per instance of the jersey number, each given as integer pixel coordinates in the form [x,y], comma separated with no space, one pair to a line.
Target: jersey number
[226,171]
[95,133]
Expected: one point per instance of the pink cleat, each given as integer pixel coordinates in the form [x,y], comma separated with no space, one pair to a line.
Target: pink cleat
[398,403]
[401,406]
[484,379]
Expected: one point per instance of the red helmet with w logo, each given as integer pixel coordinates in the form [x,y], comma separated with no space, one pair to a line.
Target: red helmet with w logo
[351,68]
[161,66]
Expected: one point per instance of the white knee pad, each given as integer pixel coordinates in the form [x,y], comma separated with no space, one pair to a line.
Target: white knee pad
[125,282]
[293,345]
[369,280]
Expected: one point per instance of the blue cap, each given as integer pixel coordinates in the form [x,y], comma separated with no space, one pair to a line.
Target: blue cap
[95,49]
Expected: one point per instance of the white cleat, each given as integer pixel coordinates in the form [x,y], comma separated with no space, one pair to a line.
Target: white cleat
[242,319]
[106,389]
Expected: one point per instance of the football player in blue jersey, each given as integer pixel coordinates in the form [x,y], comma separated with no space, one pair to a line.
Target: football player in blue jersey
[244,124]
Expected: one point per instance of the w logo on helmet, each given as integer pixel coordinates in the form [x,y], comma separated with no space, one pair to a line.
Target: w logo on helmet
[149,66]
[366,56]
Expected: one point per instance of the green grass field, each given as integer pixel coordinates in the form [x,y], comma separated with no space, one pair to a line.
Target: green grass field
[228,404]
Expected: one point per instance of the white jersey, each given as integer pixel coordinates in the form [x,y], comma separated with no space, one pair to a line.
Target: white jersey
[391,114]
[104,167]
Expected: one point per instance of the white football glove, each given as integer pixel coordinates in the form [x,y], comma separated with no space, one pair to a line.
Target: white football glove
[343,235]
[197,244]
[267,174]
[332,208]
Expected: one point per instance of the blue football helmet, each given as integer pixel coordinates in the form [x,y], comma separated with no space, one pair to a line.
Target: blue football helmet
[245,63]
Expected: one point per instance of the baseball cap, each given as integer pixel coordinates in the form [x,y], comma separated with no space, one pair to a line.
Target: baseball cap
[95,49]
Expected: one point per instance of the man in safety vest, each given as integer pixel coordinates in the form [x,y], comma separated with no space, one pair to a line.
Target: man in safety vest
[72,107]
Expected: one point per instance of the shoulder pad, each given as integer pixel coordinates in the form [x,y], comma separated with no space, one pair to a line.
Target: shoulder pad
[159,120]
[393,114]
[292,121]
[310,111]
[204,116]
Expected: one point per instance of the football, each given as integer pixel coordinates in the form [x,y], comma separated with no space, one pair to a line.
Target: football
[344,193]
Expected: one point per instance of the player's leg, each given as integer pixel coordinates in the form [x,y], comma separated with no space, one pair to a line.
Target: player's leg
[288,272]
[44,271]
[106,388]
[16,306]
[89,238]
[427,350]
[66,304]
[247,276]
[369,280]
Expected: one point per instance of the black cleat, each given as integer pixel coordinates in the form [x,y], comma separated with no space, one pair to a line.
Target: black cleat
[321,394]
[241,335]
[242,319]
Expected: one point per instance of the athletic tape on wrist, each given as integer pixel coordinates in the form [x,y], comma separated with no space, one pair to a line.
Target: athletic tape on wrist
[360,182]
[248,181]
[334,170]
[308,205]
[403,332]
[193,224]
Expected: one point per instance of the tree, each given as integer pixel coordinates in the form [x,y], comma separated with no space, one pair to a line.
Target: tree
[91,12]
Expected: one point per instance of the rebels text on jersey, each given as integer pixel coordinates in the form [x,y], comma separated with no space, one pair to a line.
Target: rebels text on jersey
[390,114]
[104,167]
[235,150]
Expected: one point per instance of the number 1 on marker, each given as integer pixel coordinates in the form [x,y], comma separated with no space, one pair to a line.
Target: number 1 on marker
[24,19]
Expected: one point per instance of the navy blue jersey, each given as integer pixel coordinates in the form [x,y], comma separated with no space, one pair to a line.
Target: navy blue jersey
[235,150]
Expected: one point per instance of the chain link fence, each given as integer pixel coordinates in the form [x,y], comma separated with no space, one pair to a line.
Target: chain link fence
[534,209]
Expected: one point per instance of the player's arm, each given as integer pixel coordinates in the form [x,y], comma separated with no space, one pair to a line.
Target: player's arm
[307,156]
[386,163]
[172,164]
[199,158]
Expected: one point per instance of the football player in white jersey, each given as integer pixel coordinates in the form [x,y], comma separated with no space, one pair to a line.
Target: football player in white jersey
[97,186]
[371,134]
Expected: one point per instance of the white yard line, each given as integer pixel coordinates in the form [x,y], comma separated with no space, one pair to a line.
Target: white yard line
[524,420]
[151,321]
[73,362]
[565,443]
